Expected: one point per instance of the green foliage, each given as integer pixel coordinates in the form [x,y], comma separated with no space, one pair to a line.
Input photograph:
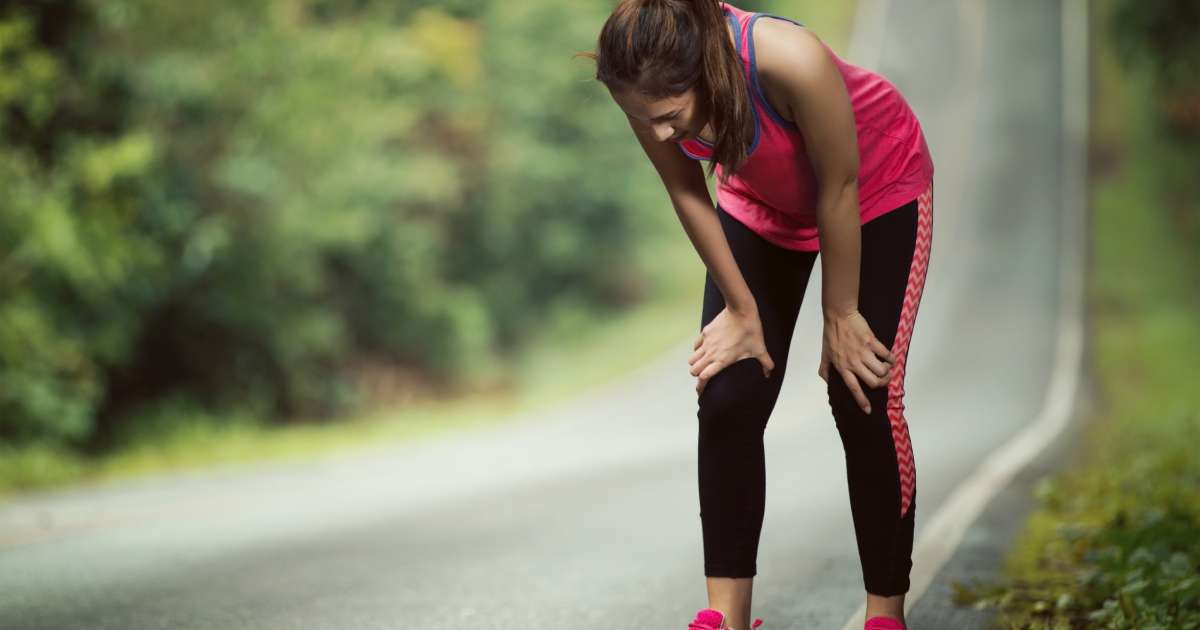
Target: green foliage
[1160,35]
[1112,546]
[67,263]
[244,204]
[262,209]
[249,203]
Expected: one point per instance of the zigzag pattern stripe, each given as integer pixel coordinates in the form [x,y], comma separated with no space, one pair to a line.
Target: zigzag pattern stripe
[908,314]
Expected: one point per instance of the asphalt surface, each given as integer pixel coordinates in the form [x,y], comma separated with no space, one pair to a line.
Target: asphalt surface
[587,516]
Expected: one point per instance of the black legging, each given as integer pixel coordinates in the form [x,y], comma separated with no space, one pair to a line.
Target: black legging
[737,401]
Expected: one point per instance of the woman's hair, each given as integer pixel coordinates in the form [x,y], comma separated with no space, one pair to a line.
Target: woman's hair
[660,48]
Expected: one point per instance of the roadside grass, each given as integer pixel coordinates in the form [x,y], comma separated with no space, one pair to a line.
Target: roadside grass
[1115,541]
[578,350]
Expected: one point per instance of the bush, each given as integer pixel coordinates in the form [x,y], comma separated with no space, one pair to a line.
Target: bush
[242,204]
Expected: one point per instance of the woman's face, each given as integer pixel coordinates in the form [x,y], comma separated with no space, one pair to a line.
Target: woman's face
[671,118]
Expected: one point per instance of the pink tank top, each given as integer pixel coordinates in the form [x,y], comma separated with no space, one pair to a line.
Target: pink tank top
[774,193]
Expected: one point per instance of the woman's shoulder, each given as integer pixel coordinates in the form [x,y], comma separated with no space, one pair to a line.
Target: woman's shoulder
[784,55]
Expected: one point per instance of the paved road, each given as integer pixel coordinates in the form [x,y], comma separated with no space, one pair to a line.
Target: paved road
[587,516]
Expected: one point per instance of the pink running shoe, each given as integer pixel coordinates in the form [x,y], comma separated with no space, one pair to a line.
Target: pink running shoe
[713,619]
[884,623]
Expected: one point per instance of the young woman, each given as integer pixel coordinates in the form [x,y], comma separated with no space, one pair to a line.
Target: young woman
[813,156]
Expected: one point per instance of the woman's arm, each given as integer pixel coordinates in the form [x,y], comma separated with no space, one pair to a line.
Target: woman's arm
[736,332]
[795,64]
[686,186]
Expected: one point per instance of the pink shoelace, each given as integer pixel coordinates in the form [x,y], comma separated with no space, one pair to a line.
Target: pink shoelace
[711,619]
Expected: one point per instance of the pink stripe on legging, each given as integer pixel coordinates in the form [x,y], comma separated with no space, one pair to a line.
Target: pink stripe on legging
[908,315]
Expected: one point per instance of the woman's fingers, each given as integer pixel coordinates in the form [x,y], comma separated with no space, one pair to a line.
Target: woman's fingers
[856,390]
[700,365]
[708,372]
[870,378]
[877,368]
[768,364]
[883,351]
[873,371]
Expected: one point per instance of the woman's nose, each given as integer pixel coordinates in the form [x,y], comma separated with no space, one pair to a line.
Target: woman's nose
[664,132]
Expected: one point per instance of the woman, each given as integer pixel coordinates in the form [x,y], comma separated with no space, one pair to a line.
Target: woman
[813,156]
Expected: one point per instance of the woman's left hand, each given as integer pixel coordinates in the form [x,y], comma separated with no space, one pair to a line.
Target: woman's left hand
[856,354]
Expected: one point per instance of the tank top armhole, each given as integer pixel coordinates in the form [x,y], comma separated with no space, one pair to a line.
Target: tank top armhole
[757,87]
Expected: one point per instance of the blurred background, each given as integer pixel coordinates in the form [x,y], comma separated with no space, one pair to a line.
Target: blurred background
[227,218]
[242,231]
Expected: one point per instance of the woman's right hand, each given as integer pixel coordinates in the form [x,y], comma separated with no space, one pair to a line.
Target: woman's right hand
[730,337]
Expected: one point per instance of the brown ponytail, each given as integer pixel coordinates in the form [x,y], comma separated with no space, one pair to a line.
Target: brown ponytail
[661,48]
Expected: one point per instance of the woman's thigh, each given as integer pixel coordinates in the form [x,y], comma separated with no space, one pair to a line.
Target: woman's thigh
[888,243]
[777,278]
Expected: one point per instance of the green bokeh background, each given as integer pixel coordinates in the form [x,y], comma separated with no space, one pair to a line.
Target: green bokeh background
[291,211]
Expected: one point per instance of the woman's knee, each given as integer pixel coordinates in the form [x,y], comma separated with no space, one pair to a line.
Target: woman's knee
[739,391]
[842,401]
